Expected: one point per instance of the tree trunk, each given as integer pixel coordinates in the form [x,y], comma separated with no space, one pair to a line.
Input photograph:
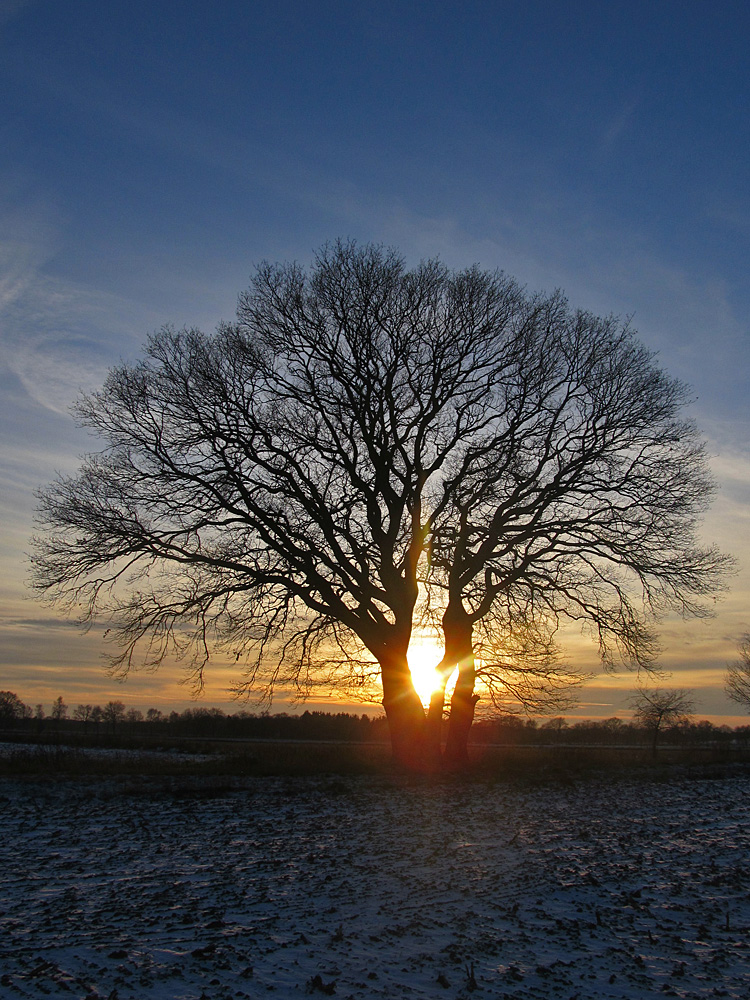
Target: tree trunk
[655,739]
[434,727]
[463,704]
[405,714]
[458,628]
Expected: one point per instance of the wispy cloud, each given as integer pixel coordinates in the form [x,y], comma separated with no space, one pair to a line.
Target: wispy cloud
[618,126]
[59,338]
[10,9]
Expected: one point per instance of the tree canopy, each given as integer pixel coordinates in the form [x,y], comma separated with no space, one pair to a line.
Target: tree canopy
[12,708]
[737,680]
[657,709]
[366,445]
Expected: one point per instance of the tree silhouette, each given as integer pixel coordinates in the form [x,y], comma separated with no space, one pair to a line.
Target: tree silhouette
[97,714]
[113,713]
[737,679]
[12,709]
[657,709]
[84,714]
[578,502]
[59,709]
[281,489]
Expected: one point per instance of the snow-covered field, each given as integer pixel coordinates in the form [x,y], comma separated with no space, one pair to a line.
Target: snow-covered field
[369,887]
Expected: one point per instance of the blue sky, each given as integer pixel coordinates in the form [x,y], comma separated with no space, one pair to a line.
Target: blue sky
[152,153]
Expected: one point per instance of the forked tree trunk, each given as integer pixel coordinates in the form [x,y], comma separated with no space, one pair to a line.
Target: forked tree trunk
[416,735]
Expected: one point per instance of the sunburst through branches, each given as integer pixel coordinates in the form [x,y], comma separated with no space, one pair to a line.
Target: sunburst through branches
[425,653]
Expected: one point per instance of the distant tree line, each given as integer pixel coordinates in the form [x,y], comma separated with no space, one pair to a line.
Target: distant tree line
[518,731]
[116,718]
[212,723]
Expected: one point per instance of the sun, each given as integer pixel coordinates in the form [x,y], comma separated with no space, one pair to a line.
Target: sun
[424,655]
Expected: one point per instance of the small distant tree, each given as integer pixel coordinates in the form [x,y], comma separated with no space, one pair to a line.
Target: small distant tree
[12,709]
[613,728]
[555,726]
[737,679]
[97,715]
[113,713]
[59,710]
[133,717]
[703,732]
[657,709]
[154,715]
[82,713]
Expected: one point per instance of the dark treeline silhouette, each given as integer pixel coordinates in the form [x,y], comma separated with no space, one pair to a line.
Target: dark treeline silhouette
[212,723]
[282,726]
[114,718]
[516,731]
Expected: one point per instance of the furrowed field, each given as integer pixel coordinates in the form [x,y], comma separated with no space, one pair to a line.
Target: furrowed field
[613,884]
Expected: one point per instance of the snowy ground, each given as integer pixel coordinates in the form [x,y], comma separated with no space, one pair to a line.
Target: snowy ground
[374,888]
[47,754]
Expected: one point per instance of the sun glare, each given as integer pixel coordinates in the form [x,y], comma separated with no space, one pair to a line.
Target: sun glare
[424,655]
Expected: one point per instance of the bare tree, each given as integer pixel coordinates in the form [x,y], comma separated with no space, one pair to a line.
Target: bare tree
[657,709]
[555,725]
[281,489]
[113,713]
[579,502]
[737,679]
[97,714]
[134,716]
[271,488]
[59,709]
[83,713]
[12,709]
